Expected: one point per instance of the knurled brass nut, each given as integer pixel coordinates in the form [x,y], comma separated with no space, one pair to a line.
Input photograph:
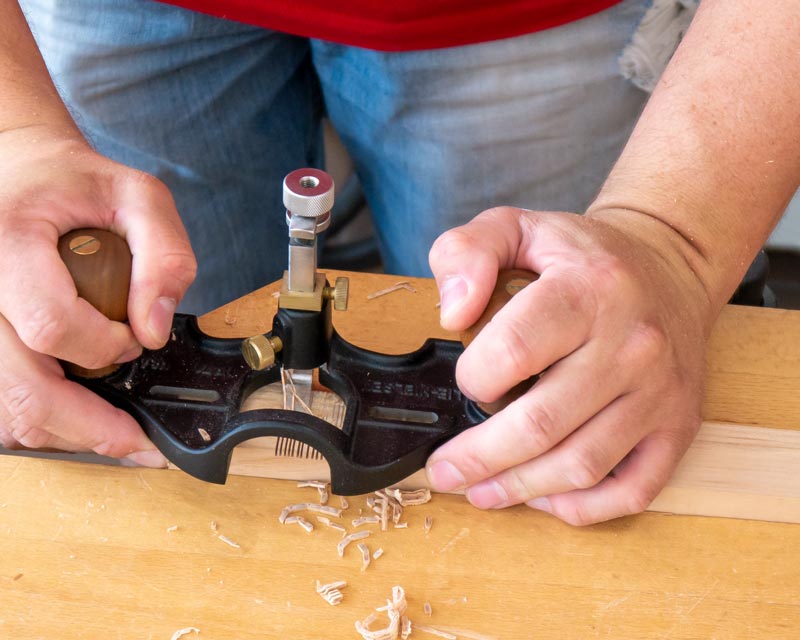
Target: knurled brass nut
[259,351]
[339,293]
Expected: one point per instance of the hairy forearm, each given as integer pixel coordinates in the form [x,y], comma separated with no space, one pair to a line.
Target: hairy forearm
[716,153]
[27,94]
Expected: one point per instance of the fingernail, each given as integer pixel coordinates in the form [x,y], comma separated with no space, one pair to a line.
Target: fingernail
[542,504]
[487,495]
[452,294]
[129,355]
[160,322]
[150,458]
[445,477]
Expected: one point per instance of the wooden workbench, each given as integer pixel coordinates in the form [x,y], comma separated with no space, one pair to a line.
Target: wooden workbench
[92,552]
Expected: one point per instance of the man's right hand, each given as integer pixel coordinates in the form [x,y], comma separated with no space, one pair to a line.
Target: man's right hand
[51,183]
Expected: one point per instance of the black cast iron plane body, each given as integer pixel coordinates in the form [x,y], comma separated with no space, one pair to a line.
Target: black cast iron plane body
[188,395]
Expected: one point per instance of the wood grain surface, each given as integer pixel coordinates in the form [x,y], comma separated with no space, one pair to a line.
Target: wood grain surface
[90,551]
[87,553]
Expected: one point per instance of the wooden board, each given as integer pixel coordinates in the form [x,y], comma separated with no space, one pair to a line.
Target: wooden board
[742,464]
[87,555]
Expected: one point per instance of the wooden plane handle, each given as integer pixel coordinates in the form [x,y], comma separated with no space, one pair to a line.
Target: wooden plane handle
[100,264]
[509,282]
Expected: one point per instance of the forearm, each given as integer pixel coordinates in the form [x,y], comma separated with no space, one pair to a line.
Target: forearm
[27,94]
[716,153]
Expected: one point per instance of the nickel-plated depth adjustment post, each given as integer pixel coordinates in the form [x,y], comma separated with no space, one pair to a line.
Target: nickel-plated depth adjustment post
[302,327]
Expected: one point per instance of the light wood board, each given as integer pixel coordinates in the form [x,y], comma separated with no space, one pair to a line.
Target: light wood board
[86,554]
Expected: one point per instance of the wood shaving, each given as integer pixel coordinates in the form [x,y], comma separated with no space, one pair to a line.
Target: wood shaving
[301,521]
[405,627]
[214,525]
[401,525]
[369,619]
[316,484]
[435,632]
[378,553]
[360,535]
[333,525]
[380,504]
[428,523]
[184,632]
[204,434]
[320,486]
[366,520]
[288,383]
[410,498]
[397,286]
[343,502]
[228,541]
[365,557]
[331,592]
[172,529]
[309,506]
[384,514]
[427,609]
[395,609]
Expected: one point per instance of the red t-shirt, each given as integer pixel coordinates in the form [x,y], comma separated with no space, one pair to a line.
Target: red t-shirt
[402,25]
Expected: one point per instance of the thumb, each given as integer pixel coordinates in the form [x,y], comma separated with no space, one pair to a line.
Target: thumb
[465,262]
[163,262]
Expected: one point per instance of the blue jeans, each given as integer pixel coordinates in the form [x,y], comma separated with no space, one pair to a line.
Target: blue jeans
[221,111]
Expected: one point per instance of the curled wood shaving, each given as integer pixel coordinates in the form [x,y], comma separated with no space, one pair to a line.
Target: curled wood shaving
[369,619]
[410,498]
[184,632]
[395,609]
[360,535]
[228,541]
[428,523]
[301,521]
[309,506]
[395,287]
[331,592]
[365,557]
[343,503]
[366,520]
[405,627]
[204,434]
[401,525]
[378,553]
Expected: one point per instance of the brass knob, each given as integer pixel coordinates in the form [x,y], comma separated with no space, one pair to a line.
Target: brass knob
[339,293]
[259,351]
